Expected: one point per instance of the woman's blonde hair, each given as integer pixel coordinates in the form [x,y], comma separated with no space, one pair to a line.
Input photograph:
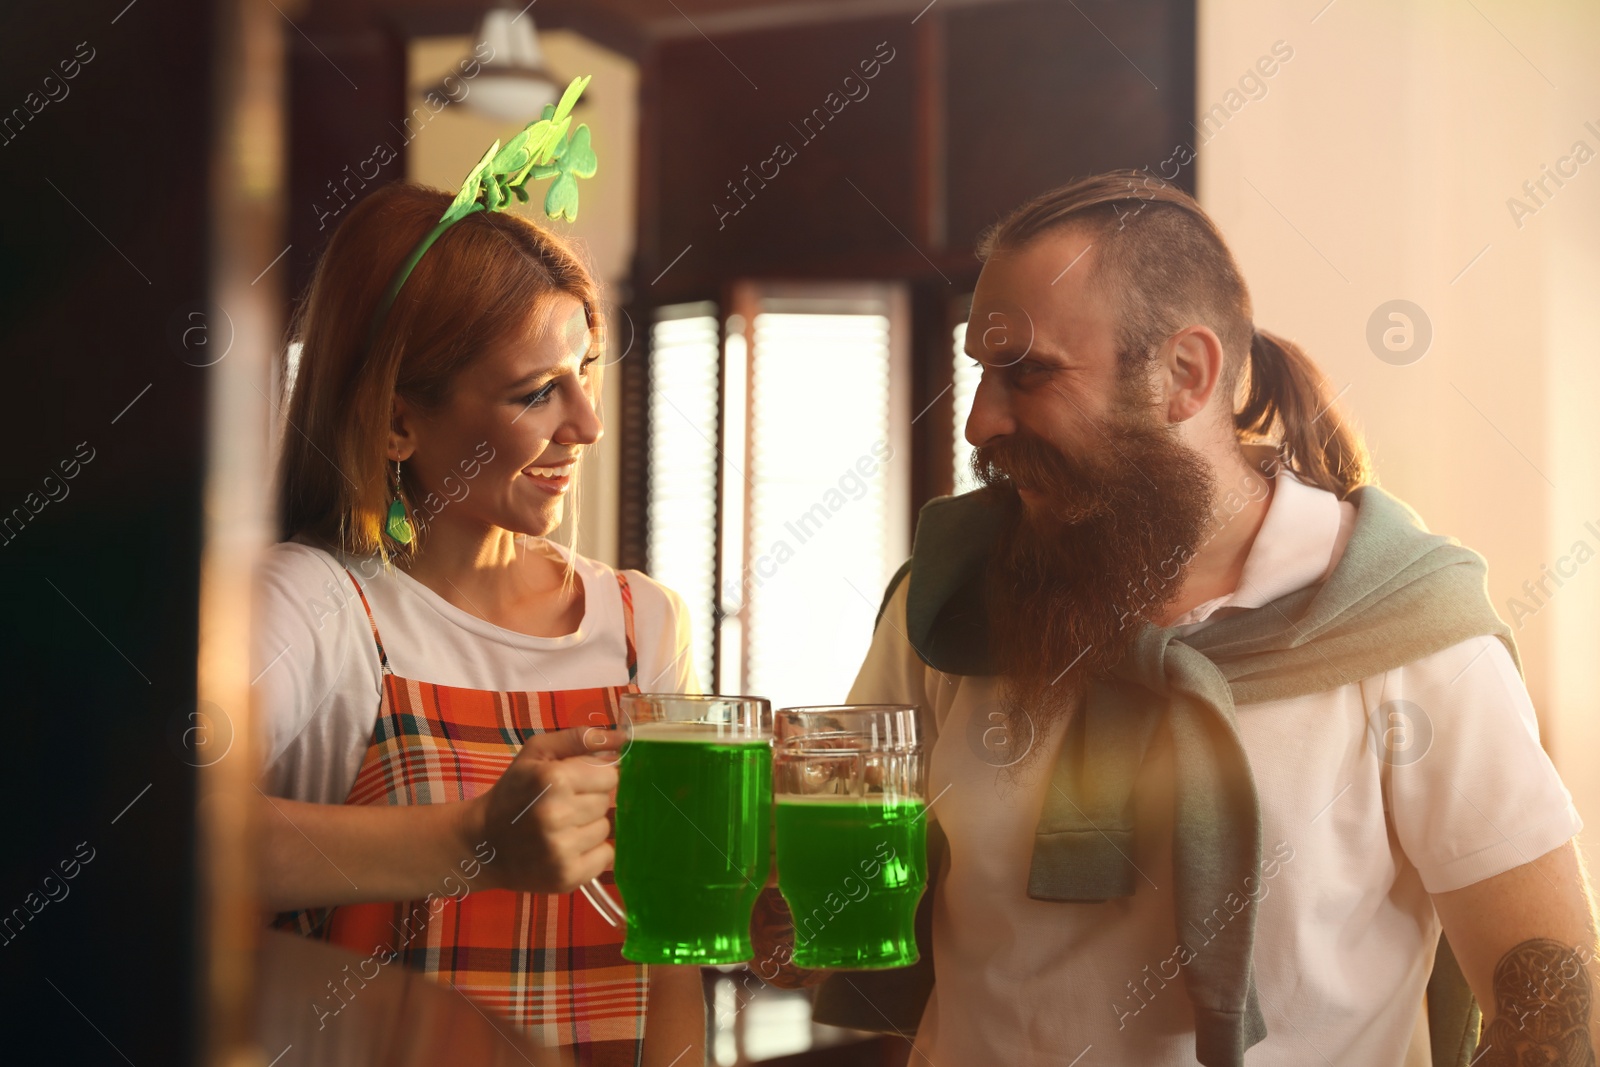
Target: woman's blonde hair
[477,286]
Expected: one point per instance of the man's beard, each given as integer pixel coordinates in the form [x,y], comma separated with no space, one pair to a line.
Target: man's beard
[1079,567]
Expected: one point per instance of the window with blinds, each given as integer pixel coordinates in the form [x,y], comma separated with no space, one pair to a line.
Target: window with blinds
[684,409]
[812,422]
[828,485]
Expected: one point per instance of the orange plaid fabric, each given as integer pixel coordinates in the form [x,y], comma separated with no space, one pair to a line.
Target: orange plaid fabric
[549,963]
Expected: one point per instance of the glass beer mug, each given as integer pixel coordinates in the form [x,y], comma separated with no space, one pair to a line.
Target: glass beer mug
[694,825]
[852,832]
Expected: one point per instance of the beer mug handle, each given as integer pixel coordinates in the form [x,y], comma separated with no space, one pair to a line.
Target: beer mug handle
[608,908]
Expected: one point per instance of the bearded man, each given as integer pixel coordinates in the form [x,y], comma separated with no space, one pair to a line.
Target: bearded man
[1222,738]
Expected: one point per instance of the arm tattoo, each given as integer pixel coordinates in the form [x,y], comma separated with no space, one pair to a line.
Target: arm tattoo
[1541,1009]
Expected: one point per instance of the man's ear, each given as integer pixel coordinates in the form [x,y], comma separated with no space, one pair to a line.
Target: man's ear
[402,431]
[1191,368]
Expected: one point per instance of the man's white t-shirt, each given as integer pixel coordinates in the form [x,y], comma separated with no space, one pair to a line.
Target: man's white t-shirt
[1353,844]
[317,670]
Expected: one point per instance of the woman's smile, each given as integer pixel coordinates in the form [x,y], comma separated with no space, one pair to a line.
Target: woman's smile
[553,478]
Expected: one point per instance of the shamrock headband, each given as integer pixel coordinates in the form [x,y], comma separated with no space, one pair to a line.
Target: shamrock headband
[542,150]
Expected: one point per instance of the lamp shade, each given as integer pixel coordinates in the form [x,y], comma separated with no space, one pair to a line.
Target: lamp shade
[514,85]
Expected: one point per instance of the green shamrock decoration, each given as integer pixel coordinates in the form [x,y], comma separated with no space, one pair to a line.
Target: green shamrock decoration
[534,153]
[574,159]
[542,150]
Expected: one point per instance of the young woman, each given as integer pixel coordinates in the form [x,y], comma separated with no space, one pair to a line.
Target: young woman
[433,676]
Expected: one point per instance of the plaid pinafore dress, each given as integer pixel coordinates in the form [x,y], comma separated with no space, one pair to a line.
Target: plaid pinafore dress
[549,963]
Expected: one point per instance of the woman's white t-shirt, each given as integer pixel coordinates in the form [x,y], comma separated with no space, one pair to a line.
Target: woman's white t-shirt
[316,667]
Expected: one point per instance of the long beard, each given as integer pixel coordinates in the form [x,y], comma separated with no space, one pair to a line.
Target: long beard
[1079,566]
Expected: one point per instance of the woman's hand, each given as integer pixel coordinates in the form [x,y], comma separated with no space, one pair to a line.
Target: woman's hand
[545,819]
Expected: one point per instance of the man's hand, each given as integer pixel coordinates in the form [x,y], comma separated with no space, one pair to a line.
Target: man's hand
[772,935]
[1526,943]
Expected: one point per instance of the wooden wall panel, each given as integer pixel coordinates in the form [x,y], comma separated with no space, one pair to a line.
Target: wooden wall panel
[347,130]
[747,205]
[1041,92]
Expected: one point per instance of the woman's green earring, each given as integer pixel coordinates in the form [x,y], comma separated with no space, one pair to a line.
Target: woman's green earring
[398,526]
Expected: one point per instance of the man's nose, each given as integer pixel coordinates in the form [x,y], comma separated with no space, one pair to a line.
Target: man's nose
[991,417]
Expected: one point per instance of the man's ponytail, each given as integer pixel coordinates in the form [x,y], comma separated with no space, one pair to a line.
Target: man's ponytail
[1289,394]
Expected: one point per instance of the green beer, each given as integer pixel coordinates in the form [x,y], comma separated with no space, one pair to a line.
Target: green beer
[852,870]
[693,839]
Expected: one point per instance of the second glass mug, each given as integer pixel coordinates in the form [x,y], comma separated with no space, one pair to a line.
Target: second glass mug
[852,832]
[693,826]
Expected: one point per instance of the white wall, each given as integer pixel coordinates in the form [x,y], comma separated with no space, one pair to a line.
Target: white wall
[1377,166]
[450,142]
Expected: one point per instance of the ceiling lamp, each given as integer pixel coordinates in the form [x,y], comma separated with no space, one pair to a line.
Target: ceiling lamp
[514,85]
